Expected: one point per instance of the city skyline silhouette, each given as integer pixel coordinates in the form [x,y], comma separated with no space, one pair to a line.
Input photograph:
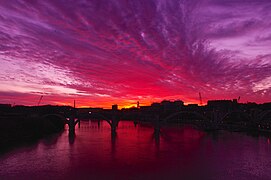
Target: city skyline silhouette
[135,89]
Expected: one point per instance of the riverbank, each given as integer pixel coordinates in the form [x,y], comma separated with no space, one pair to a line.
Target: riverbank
[18,128]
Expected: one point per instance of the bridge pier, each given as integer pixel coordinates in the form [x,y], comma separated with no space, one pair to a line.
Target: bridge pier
[79,123]
[135,123]
[157,131]
[71,138]
[99,123]
[72,123]
[157,136]
[114,124]
[156,124]
[113,131]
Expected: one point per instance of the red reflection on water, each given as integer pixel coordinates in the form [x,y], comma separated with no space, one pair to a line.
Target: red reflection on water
[135,153]
[135,148]
[94,153]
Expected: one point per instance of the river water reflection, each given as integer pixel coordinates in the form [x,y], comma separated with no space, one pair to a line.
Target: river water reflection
[135,153]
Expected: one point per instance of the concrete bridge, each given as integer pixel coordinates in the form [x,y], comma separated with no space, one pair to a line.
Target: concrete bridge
[112,118]
[208,119]
[214,120]
[215,116]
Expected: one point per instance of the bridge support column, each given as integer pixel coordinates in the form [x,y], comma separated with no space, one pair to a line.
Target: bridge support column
[79,123]
[157,131]
[72,123]
[99,123]
[113,131]
[156,134]
[71,126]
[135,123]
[157,128]
[71,138]
[114,125]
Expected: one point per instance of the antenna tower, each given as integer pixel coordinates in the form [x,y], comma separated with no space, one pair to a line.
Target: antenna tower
[200,99]
[40,100]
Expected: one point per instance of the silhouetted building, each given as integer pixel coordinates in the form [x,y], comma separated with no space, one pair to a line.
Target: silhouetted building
[5,105]
[222,105]
[172,106]
[115,107]
[178,103]
[192,105]
[266,106]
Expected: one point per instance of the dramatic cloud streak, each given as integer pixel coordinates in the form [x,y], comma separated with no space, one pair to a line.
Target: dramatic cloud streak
[101,52]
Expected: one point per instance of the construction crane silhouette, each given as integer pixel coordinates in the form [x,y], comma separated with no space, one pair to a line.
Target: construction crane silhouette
[200,99]
[40,100]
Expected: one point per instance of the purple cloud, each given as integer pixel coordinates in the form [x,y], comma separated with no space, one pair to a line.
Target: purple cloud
[136,50]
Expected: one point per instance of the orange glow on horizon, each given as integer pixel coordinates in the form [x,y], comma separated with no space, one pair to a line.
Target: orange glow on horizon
[125,104]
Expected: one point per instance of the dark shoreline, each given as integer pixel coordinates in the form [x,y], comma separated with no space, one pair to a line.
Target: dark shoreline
[28,131]
[18,130]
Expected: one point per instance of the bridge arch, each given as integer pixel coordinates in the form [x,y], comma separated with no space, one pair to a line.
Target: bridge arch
[264,114]
[103,118]
[236,115]
[185,112]
[54,115]
[54,121]
[112,121]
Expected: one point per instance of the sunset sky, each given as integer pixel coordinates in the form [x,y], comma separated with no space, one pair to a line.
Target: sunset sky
[102,52]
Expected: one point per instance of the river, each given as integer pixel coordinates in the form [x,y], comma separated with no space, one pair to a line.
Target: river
[135,153]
